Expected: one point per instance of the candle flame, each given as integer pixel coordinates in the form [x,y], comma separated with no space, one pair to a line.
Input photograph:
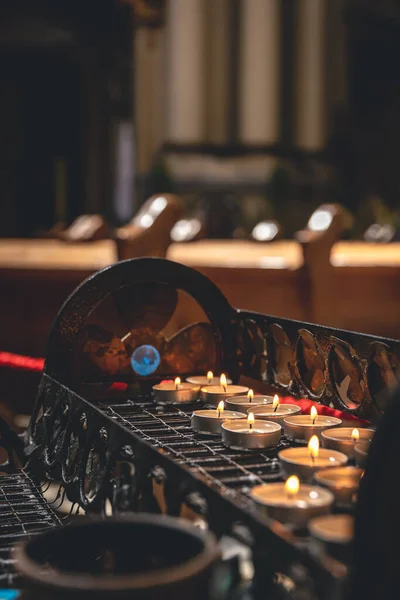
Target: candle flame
[250,395]
[314,414]
[220,408]
[292,486]
[210,376]
[275,402]
[355,435]
[223,382]
[313,446]
[177,382]
[250,420]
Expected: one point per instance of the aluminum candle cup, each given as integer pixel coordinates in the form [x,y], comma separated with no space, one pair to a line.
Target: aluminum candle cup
[298,461]
[207,421]
[238,435]
[170,393]
[301,427]
[203,380]
[213,394]
[343,482]
[268,413]
[244,404]
[342,438]
[361,452]
[296,510]
[335,533]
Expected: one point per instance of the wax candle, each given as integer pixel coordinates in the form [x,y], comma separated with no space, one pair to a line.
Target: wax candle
[213,394]
[361,452]
[249,434]
[209,421]
[276,412]
[343,482]
[303,427]
[335,533]
[175,392]
[246,403]
[345,439]
[292,503]
[203,380]
[305,461]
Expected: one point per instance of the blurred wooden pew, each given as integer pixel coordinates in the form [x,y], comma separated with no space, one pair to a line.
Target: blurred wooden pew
[344,284]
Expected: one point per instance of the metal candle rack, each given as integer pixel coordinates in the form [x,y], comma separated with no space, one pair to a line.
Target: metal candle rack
[108,445]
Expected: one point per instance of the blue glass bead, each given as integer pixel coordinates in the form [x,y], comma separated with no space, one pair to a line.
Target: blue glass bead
[145,360]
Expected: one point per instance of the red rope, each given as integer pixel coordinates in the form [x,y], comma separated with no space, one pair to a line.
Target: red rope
[22,363]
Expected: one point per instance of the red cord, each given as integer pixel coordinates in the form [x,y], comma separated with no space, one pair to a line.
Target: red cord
[22,363]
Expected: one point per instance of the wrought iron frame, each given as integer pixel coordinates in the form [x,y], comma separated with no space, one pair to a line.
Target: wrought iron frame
[85,446]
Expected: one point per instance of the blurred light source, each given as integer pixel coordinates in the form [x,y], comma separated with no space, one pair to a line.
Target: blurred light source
[380,233]
[185,230]
[265,231]
[320,220]
[157,206]
[146,220]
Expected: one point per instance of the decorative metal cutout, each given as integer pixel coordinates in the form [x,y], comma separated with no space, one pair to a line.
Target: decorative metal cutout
[280,355]
[310,363]
[383,373]
[346,373]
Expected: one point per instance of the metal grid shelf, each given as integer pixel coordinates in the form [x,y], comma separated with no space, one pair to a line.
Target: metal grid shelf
[23,513]
[169,427]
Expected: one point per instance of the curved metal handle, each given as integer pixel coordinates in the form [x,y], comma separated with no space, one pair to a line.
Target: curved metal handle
[94,290]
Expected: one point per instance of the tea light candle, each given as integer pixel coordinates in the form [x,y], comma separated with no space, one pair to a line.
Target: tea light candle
[335,533]
[303,427]
[361,452]
[176,392]
[249,434]
[276,412]
[292,503]
[344,439]
[213,394]
[245,404]
[342,481]
[305,461]
[210,421]
[203,380]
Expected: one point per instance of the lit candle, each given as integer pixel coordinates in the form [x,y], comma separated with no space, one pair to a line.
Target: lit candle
[292,503]
[250,434]
[342,481]
[313,414]
[303,427]
[213,394]
[175,392]
[203,380]
[345,439]
[210,421]
[275,412]
[248,402]
[250,420]
[313,448]
[305,461]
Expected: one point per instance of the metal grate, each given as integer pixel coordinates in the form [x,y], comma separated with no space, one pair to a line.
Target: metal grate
[169,427]
[23,513]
